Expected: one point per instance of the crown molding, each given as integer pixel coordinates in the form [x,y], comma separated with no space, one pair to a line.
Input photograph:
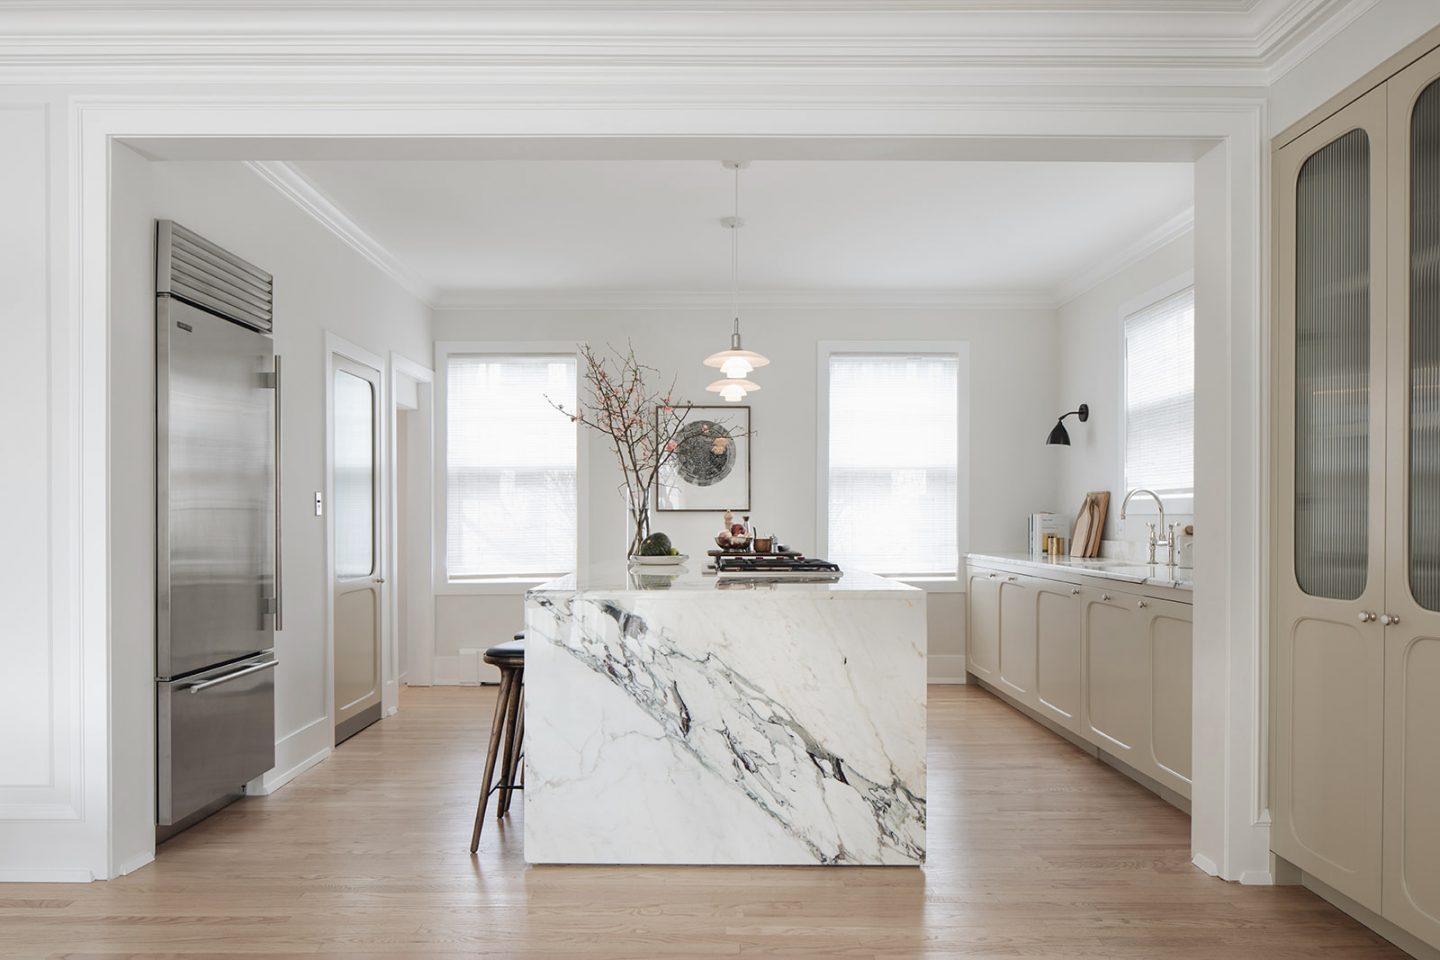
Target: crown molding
[1165,42]
[1124,258]
[701,300]
[299,190]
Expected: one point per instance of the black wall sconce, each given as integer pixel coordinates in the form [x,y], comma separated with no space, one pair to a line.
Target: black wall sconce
[1058,434]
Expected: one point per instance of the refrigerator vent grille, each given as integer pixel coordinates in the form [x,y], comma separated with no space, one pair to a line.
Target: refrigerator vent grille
[191,268]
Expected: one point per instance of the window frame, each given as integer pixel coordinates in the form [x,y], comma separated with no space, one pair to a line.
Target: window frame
[1144,506]
[500,584]
[960,351]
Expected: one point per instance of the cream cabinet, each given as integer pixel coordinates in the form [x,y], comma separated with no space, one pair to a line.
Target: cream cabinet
[1355,643]
[982,647]
[1099,659]
[1058,652]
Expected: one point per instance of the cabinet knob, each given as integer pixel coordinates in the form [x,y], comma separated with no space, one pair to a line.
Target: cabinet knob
[993,576]
[1010,579]
[1142,604]
[1388,621]
[1075,592]
[1366,616]
[1104,596]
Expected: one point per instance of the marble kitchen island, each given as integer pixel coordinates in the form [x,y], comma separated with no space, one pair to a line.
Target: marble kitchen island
[691,720]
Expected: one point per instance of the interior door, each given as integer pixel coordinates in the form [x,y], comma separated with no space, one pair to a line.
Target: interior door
[1412,603]
[1328,646]
[355,521]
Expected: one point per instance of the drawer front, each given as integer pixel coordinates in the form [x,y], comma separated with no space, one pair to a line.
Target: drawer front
[215,731]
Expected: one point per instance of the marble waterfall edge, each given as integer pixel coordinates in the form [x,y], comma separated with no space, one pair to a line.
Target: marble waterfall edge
[773,725]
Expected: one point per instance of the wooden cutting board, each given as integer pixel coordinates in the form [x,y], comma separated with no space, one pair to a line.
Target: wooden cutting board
[1084,530]
[1101,499]
[1090,524]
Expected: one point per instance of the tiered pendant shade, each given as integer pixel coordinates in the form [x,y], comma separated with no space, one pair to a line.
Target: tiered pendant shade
[737,362]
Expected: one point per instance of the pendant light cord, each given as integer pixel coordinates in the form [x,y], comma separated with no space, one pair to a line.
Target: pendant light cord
[735,256]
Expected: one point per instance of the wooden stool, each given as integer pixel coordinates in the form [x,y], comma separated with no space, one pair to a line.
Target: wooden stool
[509,722]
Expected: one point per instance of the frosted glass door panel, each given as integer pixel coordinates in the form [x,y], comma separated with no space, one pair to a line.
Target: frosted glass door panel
[1424,465]
[1332,369]
[354,476]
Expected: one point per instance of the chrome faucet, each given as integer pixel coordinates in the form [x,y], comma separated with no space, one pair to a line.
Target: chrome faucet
[1169,529]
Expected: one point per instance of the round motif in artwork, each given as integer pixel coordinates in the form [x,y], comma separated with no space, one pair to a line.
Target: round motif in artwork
[704,453]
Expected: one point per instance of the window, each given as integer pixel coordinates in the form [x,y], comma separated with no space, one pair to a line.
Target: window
[510,507]
[893,465]
[1160,397]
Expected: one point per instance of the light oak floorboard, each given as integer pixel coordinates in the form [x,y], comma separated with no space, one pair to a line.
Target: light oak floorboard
[1035,850]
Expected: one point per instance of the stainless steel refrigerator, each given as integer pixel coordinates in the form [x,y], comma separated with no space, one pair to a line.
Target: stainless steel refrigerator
[218,585]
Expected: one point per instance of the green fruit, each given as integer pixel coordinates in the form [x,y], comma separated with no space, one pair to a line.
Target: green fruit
[674,552]
[656,545]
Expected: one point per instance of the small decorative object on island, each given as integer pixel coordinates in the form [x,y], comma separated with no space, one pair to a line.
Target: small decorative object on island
[710,469]
[617,403]
[733,536]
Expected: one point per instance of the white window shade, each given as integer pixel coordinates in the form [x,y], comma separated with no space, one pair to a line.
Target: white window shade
[893,470]
[510,466]
[1160,397]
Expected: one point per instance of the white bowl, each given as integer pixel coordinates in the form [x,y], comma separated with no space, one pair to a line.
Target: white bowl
[666,561]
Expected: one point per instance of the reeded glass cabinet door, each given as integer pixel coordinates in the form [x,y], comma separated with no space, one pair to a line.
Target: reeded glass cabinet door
[1331,445]
[1412,603]
[1423,294]
[1333,273]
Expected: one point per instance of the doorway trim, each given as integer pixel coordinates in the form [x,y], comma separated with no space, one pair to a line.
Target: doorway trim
[1225,138]
[402,367]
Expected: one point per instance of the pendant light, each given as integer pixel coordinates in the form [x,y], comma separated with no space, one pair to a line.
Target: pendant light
[737,362]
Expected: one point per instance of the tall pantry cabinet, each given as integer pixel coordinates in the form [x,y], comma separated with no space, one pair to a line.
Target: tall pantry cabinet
[1355,778]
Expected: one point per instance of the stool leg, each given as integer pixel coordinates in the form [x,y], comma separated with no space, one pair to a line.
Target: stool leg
[496,727]
[507,792]
[508,767]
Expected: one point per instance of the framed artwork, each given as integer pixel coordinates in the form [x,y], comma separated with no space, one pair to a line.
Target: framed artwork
[710,469]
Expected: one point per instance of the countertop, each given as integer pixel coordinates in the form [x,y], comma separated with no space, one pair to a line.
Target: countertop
[1128,571]
[690,579]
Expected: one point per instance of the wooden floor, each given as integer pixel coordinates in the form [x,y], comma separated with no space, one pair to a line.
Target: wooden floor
[1036,850]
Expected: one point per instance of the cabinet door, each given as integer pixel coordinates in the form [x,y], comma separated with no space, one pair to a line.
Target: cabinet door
[1328,655]
[1412,646]
[1169,630]
[982,639]
[1117,678]
[1017,638]
[1058,653]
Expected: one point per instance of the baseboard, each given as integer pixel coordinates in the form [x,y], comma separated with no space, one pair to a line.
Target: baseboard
[1408,942]
[294,754]
[135,863]
[462,669]
[1206,864]
[946,668]
[44,875]
[1257,878]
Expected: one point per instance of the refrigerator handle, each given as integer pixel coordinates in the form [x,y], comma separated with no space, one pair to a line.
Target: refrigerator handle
[279,569]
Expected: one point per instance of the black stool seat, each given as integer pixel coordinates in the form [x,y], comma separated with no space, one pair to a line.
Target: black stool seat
[511,653]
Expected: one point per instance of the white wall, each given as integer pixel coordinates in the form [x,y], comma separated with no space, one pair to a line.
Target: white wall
[1379,33]
[1092,371]
[1011,407]
[320,284]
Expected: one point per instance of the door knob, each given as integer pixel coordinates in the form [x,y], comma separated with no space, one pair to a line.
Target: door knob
[1388,621]
[1366,616]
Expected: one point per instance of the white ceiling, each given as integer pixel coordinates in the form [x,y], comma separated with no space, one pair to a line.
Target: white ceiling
[467,229]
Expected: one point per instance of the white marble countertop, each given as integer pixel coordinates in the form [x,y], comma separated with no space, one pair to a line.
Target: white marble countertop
[690,579]
[1109,568]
